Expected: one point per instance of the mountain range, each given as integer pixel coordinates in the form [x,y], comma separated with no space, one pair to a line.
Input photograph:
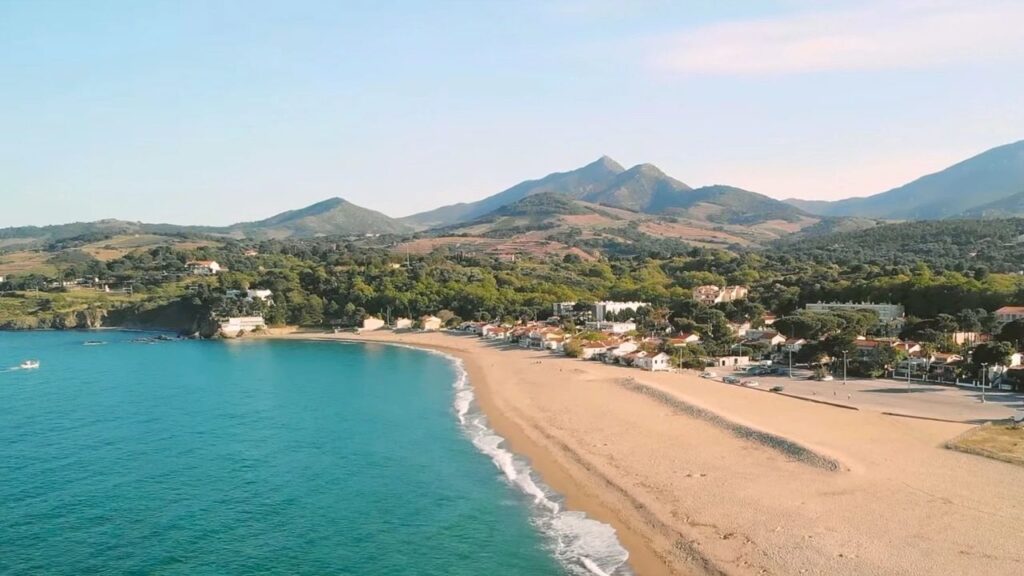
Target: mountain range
[643,188]
[990,184]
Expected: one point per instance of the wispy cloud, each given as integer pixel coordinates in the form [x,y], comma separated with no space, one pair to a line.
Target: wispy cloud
[868,36]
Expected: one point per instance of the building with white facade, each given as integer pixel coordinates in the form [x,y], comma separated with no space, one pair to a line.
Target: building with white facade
[612,327]
[236,325]
[601,309]
[203,267]
[1009,314]
[713,294]
[886,312]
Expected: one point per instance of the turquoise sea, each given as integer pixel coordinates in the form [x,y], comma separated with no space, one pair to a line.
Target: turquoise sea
[258,457]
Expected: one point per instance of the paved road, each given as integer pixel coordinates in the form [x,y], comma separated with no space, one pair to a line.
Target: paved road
[884,395]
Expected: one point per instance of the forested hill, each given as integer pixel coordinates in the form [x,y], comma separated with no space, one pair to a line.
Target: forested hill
[994,245]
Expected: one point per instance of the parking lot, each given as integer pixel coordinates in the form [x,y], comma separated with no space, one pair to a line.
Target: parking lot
[885,395]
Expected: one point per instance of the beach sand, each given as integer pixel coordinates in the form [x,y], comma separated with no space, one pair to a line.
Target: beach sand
[699,477]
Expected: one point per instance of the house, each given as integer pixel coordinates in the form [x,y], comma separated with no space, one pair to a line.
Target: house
[793,345]
[1009,314]
[251,252]
[657,363]
[546,339]
[493,332]
[237,325]
[596,350]
[403,324]
[612,327]
[258,294]
[431,323]
[768,319]
[563,308]
[631,358]
[968,338]
[372,323]
[684,339]
[739,329]
[203,267]
[728,361]
[710,295]
[619,350]
[910,347]
[772,339]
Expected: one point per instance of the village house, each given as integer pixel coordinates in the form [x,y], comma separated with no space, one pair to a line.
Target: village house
[203,267]
[403,324]
[887,313]
[768,319]
[728,361]
[371,323]
[258,294]
[493,332]
[236,325]
[547,339]
[619,350]
[684,339]
[1009,314]
[771,339]
[740,330]
[596,350]
[430,323]
[710,294]
[657,363]
[793,345]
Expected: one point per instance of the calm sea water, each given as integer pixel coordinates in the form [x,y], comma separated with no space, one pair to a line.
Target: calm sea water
[191,457]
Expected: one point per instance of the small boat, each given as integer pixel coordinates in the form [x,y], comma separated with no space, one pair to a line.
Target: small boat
[93,343]
[29,364]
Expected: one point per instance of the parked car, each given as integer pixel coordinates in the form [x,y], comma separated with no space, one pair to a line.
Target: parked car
[731,380]
[776,388]
[751,383]
[708,374]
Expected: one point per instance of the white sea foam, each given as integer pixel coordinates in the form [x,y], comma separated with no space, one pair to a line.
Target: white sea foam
[583,545]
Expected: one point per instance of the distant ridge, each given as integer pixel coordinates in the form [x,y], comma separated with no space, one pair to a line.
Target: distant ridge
[643,188]
[960,190]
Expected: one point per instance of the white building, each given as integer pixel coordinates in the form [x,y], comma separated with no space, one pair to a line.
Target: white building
[431,323]
[258,294]
[657,363]
[562,308]
[886,312]
[372,323]
[203,267]
[713,294]
[236,325]
[403,324]
[727,361]
[609,307]
[613,327]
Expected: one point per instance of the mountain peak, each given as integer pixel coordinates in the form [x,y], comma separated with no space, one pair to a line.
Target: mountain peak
[645,170]
[606,162]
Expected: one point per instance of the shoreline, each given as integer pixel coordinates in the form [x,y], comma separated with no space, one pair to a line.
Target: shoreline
[688,496]
[642,560]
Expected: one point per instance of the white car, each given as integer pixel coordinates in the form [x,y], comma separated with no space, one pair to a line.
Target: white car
[708,374]
[751,383]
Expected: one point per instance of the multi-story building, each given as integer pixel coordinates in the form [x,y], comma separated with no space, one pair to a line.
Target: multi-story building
[887,313]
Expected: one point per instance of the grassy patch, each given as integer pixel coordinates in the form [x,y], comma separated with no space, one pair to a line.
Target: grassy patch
[998,440]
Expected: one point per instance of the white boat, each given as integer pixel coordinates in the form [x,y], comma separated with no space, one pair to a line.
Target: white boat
[29,364]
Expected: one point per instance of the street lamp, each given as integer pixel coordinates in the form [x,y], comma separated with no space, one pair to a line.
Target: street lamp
[984,376]
[790,362]
[844,367]
[908,373]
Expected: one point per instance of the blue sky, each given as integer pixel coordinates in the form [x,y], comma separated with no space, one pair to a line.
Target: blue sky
[215,112]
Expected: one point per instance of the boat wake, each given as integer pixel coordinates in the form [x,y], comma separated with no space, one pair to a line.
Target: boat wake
[584,546]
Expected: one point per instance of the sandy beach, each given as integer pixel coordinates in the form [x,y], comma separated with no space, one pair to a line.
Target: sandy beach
[698,477]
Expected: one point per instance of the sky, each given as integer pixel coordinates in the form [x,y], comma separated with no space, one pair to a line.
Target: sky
[214,112]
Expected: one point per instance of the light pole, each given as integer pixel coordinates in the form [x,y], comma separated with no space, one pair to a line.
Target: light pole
[984,376]
[790,363]
[908,374]
[844,367]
